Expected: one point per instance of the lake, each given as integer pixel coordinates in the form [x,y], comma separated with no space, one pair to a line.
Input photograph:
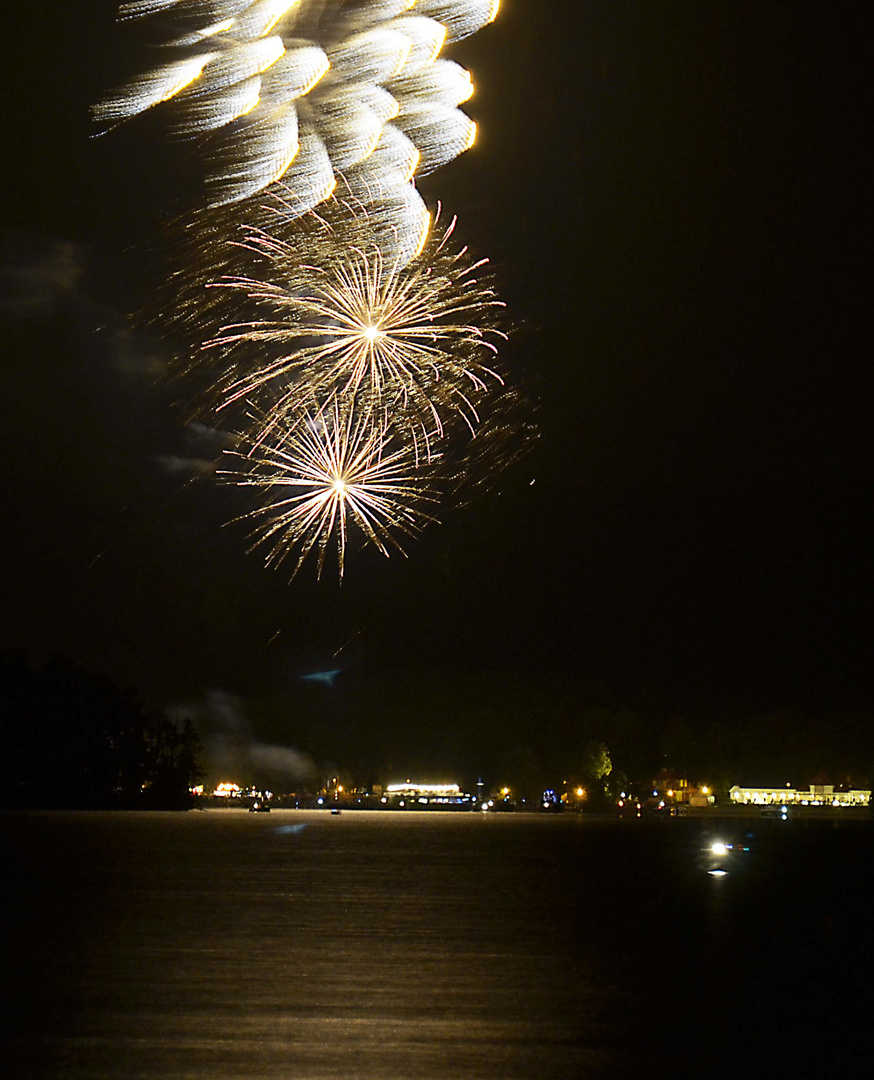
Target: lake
[457,946]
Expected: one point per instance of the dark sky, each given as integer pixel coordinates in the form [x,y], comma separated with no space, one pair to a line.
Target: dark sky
[674,199]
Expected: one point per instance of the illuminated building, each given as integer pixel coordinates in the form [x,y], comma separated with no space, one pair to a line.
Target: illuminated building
[228,790]
[815,795]
[412,796]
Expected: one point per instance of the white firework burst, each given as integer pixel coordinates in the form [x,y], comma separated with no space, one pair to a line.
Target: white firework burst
[417,341]
[325,476]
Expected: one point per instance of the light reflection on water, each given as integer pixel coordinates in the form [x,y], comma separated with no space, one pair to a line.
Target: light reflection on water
[223,944]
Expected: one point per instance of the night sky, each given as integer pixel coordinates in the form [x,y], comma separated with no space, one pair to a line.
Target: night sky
[671,194]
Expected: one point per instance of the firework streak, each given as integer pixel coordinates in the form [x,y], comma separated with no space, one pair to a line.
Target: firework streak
[307,91]
[349,345]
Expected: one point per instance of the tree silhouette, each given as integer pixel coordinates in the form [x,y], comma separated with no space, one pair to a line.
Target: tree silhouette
[73,740]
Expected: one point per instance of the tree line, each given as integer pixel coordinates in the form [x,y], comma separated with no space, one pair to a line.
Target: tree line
[532,733]
[74,740]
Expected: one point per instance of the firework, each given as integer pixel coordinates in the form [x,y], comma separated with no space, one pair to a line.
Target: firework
[328,474]
[363,390]
[307,90]
[417,341]
[350,346]
[321,346]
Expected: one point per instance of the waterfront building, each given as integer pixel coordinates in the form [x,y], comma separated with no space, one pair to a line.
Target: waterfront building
[435,796]
[814,795]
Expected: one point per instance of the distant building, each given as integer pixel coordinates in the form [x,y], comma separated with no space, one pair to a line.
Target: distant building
[815,795]
[432,796]
[677,790]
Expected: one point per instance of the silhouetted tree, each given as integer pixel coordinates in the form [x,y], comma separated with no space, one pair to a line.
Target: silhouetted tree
[74,740]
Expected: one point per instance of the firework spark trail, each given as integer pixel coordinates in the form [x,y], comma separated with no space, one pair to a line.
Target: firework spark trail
[417,341]
[309,90]
[330,468]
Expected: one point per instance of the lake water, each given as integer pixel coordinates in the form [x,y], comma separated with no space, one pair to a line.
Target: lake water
[308,946]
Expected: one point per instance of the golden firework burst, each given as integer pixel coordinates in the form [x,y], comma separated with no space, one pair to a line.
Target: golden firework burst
[324,476]
[417,340]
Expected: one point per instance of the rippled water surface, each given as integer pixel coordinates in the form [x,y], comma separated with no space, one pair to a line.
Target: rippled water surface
[308,946]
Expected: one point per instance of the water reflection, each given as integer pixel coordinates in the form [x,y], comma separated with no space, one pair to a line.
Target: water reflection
[302,945]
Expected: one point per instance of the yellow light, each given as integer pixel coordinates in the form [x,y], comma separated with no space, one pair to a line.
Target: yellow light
[705,791]
[372,333]
[275,49]
[670,793]
[255,99]
[438,45]
[426,228]
[505,791]
[216,28]
[339,486]
[412,166]
[580,792]
[286,161]
[190,73]
[373,141]
[280,9]
[403,59]
[321,70]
